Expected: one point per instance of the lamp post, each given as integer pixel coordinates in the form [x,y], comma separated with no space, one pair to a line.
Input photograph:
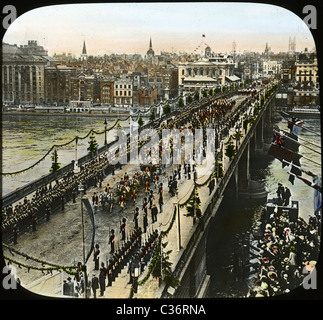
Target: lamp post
[105,132]
[81,190]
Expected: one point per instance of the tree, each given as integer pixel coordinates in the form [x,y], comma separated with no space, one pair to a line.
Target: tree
[140,121]
[245,124]
[166,109]
[230,150]
[197,96]
[211,92]
[193,206]
[180,102]
[93,146]
[162,267]
[152,115]
[55,164]
[189,99]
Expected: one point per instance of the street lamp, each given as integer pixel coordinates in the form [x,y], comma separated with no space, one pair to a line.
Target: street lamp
[105,132]
[81,190]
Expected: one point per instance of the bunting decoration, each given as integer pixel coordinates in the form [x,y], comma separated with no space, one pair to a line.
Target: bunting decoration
[279,150]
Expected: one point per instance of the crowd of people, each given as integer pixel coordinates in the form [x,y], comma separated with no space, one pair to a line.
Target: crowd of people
[50,198]
[288,251]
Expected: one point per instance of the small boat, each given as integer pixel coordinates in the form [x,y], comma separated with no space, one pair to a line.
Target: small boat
[306,112]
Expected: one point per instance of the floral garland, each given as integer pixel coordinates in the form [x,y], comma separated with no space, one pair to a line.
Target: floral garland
[157,250]
[67,269]
[55,147]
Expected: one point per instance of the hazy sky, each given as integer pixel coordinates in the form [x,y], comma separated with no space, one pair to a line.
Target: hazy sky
[127,27]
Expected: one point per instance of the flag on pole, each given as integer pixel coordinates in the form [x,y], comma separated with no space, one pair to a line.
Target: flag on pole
[203,35]
[281,153]
[297,127]
[310,184]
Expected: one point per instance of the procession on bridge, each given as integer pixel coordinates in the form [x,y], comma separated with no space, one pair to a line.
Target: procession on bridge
[143,201]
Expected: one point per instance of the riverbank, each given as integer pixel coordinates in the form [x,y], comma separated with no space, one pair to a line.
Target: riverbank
[68,114]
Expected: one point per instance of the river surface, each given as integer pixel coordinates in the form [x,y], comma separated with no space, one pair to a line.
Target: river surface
[26,139]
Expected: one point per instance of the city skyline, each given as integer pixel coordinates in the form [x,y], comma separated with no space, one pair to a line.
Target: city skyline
[173,27]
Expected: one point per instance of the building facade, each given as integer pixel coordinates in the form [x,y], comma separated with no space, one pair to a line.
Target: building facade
[123,92]
[57,83]
[22,76]
[206,72]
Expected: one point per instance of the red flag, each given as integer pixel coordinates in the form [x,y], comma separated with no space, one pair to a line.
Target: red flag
[203,35]
[281,153]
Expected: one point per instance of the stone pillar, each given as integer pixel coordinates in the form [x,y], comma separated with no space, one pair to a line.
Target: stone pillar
[260,134]
[243,169]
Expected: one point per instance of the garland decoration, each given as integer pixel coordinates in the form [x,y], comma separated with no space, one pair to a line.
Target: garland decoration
[56,146]
[52,266]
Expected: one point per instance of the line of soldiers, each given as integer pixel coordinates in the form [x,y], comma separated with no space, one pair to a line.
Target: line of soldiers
[51,197]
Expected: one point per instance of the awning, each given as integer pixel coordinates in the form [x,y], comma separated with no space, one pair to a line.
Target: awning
[232,78]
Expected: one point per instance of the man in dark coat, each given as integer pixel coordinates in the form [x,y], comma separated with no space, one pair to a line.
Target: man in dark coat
[286,196]
[145,222]
[136,217]
[96,257]
[94,284]
[123,229]
[111,241]
[102,277]
[154,212]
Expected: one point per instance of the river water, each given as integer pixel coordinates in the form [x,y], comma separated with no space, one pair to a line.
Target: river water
[27,138]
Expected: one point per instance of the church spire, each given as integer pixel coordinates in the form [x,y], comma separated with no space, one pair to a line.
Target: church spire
[84,48]
[150,52]
[84,53]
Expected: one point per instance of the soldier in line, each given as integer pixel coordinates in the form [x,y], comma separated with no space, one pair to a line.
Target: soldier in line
[96,257]
[123,229]
[111,241]
[154,212]
[136,217]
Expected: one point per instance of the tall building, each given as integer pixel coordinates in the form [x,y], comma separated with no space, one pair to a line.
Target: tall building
[123,92]
[292,45]
[206,72]
[22,75]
